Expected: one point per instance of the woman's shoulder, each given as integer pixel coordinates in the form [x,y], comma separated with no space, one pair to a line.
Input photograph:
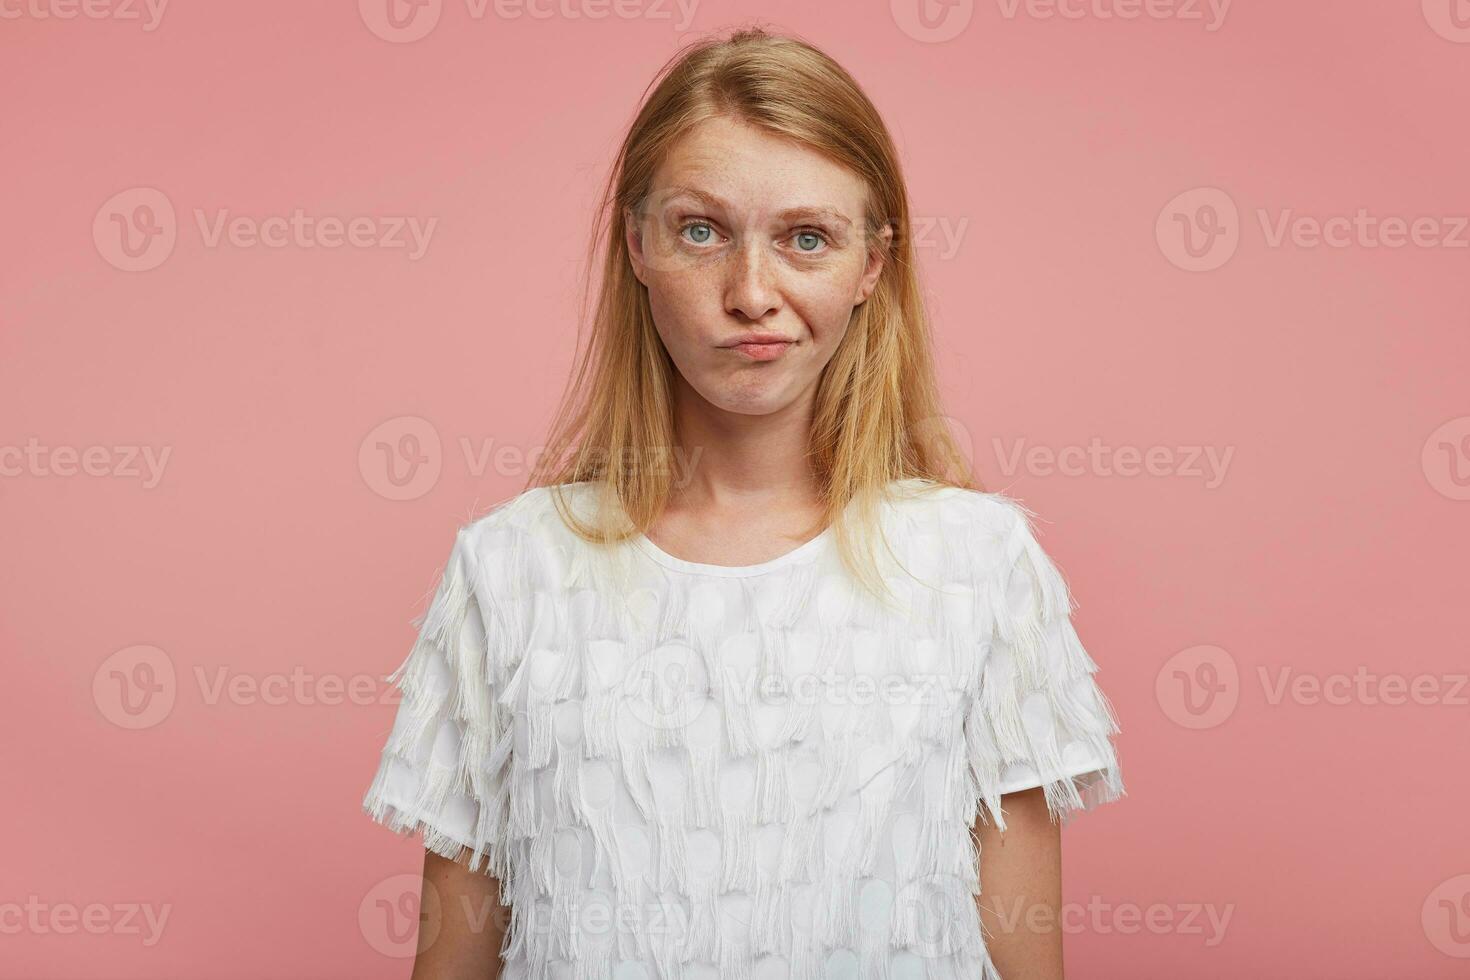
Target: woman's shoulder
[961,509]
[992,536]
[524,519]
[514,546]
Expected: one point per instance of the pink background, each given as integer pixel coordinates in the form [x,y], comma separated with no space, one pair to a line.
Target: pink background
[1330,837]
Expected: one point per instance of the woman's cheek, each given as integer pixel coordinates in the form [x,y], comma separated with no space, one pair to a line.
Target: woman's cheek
[676,315]
[827,309]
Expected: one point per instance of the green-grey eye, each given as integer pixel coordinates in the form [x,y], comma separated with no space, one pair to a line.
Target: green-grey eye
[812,238]
[700,225]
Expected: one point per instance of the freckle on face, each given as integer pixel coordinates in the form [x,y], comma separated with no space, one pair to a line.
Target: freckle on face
[746,273]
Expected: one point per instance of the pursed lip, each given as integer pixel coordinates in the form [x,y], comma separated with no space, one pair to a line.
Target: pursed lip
[759,338]
[762,347]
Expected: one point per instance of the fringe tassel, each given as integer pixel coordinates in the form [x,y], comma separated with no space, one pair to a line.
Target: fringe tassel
[670,852]
[701,939]
[703,802]
[802,850]
[605,848]
[635,767]
[737,870]
[770,917]
[736,693]
[873,958]
[805,963]
[836,921]
[772,791]
[734,960]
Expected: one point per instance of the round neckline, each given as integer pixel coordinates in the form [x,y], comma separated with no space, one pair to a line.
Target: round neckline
[802,550]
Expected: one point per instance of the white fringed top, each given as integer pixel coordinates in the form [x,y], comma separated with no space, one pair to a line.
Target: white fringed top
[686,770]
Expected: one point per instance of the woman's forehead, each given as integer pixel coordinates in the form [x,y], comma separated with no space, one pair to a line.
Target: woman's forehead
[801,209]
[772,175]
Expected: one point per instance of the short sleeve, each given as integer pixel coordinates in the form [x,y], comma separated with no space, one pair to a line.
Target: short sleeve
[443,770]
[1038,717]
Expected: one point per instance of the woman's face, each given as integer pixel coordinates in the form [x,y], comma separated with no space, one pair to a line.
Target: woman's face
[752,248]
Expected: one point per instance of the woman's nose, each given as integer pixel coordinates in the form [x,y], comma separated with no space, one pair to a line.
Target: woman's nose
[750,289]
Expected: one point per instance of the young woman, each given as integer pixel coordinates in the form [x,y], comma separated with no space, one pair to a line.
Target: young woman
[751,680]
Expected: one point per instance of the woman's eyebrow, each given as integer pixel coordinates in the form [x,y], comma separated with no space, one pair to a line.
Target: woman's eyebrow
[715,202]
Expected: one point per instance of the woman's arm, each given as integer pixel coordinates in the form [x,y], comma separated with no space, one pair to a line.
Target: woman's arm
[1021,889]
[461,933]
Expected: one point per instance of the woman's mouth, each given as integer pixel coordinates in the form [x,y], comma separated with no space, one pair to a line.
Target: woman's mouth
[761,347]
[762,352]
